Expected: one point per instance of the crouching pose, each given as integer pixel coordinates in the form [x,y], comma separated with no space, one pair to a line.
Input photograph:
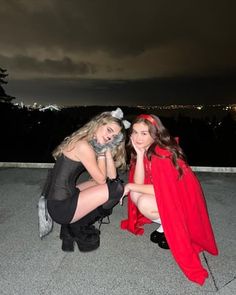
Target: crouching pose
[98,148]
[163,189]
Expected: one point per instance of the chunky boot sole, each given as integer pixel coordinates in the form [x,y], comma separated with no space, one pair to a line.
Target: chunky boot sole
[67,245]
[67,239]
[87,247]
[87,238]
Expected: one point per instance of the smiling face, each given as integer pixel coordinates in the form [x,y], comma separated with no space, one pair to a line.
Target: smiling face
[107,132]
[141,136]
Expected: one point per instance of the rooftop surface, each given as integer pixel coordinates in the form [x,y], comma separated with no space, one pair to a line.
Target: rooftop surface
[124,264]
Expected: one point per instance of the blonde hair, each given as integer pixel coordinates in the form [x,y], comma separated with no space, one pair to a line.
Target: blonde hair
[87,132]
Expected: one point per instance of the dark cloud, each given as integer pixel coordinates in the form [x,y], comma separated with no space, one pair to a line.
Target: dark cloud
[118,27]
[116,40]
[47,67]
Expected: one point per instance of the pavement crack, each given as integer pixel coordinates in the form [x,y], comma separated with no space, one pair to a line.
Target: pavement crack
[228,282]
[211,273]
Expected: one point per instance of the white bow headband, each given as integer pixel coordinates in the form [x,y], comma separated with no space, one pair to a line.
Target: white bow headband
[118,113]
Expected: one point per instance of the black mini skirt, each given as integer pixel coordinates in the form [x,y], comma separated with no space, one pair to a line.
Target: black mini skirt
[62,212]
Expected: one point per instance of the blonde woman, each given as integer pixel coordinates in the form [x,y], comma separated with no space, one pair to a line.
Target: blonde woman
[98,148]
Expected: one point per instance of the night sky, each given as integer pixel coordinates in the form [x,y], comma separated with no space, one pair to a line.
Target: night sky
[119,52]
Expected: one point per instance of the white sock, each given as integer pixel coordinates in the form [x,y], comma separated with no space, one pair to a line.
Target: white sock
[160,228]
[158,220]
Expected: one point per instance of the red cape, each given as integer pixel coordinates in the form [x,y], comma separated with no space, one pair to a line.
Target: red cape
[183,213]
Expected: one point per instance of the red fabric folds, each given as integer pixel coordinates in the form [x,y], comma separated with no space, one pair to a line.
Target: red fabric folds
[183,212]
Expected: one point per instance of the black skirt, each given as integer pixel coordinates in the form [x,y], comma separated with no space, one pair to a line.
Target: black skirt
[63,211]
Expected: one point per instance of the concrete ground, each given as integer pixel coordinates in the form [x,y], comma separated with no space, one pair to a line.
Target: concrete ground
[124,264]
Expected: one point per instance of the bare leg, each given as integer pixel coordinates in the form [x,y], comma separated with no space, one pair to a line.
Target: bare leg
[89,199]
[147,205]
[84,185]
[135,196]
[80,229]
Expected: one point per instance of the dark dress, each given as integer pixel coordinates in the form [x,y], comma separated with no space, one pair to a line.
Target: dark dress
[62,193]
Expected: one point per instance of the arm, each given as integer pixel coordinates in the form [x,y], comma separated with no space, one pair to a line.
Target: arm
[96,167]
[110,165]
[139,188]
[139,172]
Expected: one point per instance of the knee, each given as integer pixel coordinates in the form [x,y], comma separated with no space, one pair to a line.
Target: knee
[115,192]
[115,188]
[143,204]
[146,207]
[134,197]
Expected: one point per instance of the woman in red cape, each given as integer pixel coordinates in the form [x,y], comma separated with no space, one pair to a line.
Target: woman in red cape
[162,188]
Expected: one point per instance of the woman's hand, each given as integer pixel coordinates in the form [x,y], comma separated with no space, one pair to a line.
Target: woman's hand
[110,164]
[139,151]
[127,189]
[116,141]
[108,153]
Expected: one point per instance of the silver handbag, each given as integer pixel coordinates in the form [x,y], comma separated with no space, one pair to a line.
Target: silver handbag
[44,219]
[45,222]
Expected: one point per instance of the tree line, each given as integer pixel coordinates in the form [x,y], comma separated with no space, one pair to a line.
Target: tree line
[31,135]
[3,96]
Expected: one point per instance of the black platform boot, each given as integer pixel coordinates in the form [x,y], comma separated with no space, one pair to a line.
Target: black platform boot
[67,239]
[84,233]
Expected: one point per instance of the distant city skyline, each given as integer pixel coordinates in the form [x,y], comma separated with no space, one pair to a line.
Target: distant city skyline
[122,92]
